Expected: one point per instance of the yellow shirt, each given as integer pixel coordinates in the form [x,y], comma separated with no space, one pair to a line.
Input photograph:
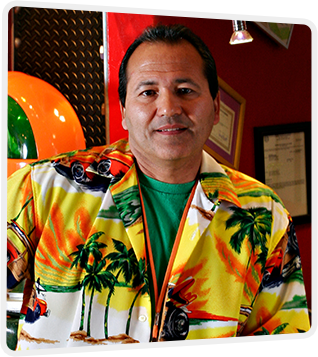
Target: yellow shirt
[76,233]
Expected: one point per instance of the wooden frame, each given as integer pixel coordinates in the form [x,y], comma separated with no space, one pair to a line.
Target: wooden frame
[224,142]
[280,32]
[283,162]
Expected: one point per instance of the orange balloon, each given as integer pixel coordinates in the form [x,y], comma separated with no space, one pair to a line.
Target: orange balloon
[54,123]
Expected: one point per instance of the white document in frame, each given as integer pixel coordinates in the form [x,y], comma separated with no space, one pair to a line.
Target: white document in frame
[285,169]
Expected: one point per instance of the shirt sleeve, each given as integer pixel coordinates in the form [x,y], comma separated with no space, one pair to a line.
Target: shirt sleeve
[280,305]
[21,232]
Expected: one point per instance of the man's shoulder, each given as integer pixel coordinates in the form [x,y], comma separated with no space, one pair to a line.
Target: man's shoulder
[238,177]
[92,168]
[247,186]
[90,154]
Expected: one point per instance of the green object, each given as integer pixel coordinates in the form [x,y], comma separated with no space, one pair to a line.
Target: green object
[164,206]
[282,32]
[21,142]
[12,328]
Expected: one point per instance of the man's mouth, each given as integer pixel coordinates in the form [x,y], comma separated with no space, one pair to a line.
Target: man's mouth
[170,130]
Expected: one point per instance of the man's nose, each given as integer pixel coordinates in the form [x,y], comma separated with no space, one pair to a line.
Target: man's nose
[168,104]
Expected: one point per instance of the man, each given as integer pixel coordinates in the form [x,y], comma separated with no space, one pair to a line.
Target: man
[151,239]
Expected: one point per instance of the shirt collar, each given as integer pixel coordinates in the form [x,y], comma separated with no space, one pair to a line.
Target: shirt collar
[113,162]
[215,183]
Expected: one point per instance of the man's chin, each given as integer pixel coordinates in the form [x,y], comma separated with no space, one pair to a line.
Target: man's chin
[171,155]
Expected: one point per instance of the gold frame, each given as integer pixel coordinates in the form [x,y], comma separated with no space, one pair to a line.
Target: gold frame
[232,160]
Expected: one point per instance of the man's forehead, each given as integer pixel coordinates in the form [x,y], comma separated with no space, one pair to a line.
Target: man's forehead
[162,57]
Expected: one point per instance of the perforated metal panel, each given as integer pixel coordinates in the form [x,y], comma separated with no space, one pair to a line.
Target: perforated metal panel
[62,48]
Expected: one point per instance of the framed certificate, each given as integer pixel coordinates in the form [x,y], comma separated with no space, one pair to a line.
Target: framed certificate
[283,162]
[280,32]
[224,142]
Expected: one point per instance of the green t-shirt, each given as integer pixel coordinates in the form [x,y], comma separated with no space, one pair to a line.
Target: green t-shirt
[164,205]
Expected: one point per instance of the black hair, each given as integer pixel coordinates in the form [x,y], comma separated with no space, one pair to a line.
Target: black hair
[171,34]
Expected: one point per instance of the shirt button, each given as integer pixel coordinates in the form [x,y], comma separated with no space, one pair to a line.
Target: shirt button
[142,318]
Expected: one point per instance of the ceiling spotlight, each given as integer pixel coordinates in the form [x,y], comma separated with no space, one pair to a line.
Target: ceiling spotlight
[240,33]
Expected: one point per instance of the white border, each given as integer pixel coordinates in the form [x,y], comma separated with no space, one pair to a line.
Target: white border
[309,18]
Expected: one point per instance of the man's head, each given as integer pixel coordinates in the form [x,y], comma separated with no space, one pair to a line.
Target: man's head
[171,35]
[167,105]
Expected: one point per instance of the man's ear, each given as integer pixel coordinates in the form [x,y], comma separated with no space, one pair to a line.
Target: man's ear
[123,116]
[217,105]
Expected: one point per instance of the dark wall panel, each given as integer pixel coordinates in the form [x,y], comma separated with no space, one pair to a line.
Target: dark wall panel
[62,48]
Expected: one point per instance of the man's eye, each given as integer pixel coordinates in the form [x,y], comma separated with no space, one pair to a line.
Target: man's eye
[185,90]
[148,93]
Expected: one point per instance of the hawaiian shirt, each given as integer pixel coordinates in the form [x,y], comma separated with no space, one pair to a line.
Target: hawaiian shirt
[77,235]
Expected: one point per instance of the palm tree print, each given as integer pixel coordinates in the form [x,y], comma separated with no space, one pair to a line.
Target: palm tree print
[97,279]
[125,262]
[254,224]
[101,276]
[141,279]
[276,331]
[81,258]
[84,250]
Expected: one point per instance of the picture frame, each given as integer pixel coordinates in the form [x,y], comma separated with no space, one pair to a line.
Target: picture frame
[224,142]
[280,32]
[283,162]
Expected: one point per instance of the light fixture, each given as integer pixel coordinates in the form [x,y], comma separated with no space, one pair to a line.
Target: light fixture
[240,33]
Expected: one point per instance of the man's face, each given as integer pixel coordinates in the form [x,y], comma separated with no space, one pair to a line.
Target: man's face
[169,111]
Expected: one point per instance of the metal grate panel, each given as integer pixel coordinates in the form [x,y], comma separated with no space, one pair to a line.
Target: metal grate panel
[62,48]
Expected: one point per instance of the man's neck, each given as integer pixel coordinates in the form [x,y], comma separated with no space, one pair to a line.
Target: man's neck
[170,172]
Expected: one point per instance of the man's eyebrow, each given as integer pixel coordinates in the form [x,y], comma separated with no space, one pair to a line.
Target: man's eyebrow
[187,80]
[150,82]
[147,82]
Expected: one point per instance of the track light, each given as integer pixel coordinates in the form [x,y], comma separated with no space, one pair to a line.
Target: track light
[240,33]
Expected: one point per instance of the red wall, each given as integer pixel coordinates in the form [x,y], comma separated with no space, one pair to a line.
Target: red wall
[122,29]
[276,83]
